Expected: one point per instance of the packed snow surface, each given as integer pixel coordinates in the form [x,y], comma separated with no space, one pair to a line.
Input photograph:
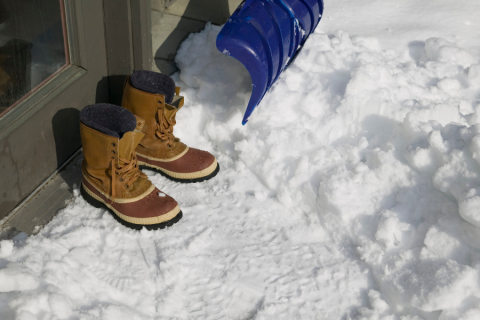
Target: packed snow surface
[352,193]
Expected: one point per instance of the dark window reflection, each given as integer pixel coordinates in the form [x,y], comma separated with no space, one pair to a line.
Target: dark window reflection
[32,47]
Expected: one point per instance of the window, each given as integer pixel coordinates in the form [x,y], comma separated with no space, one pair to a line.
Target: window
[33,47]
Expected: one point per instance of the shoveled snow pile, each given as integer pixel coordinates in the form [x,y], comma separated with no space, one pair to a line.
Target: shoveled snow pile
[352,193]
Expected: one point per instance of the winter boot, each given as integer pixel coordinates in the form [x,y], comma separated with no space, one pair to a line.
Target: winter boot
[154,97]
[110,173]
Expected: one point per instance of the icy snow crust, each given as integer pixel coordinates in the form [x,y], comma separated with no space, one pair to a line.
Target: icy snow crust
[352,193]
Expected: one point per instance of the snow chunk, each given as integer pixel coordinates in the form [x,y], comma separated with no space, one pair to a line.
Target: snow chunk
[470,314]
[474,75]
[431,285]
[469,208]
[422,159]
[391,232]
[442,50]
[6,248]
[446,246]
[17,278]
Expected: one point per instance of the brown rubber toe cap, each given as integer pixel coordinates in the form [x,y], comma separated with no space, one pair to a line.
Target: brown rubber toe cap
[155,207]
[156,204]
[198,159]
[192,161]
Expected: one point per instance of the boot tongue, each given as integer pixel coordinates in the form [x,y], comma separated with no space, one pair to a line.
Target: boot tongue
[170,112]
[130,140]
[171,109]
[127,145]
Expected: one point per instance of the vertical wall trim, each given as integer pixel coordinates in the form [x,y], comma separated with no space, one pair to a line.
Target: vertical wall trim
[129,41]
[118,38]
[142,34]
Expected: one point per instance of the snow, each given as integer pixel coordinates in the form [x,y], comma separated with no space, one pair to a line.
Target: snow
[352,192]
[403,25]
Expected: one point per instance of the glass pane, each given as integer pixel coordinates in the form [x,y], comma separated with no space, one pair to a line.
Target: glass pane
[32,47]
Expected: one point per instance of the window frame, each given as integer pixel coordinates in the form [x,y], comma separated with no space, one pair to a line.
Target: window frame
[74,69]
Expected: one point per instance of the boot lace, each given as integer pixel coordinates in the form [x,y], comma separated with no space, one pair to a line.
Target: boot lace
[128,171]
[164,130]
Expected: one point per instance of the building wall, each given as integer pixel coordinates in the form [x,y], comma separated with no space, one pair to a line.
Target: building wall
[174,20]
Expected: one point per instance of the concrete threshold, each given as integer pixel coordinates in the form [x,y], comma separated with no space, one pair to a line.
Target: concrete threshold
[43,204]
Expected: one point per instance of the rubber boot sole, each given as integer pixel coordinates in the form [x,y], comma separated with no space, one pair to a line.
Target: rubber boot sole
[210,176]
[98,204]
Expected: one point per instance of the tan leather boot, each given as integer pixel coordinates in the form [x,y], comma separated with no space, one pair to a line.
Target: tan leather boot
[110,173]
[160,149]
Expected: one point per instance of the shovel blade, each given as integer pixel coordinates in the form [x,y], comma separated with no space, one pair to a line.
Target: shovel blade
[265,36]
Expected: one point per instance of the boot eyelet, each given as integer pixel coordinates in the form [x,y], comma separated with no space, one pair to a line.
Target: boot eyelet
[113,151]
[127,186]
[113,144]
[121,179]
[160,102]
[113,158]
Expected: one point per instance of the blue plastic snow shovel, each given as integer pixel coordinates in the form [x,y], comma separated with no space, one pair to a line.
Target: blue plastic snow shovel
[265,36]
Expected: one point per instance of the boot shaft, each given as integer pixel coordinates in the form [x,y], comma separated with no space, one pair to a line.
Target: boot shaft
[107,147]
[159,116]
[144,105]
[100,149]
